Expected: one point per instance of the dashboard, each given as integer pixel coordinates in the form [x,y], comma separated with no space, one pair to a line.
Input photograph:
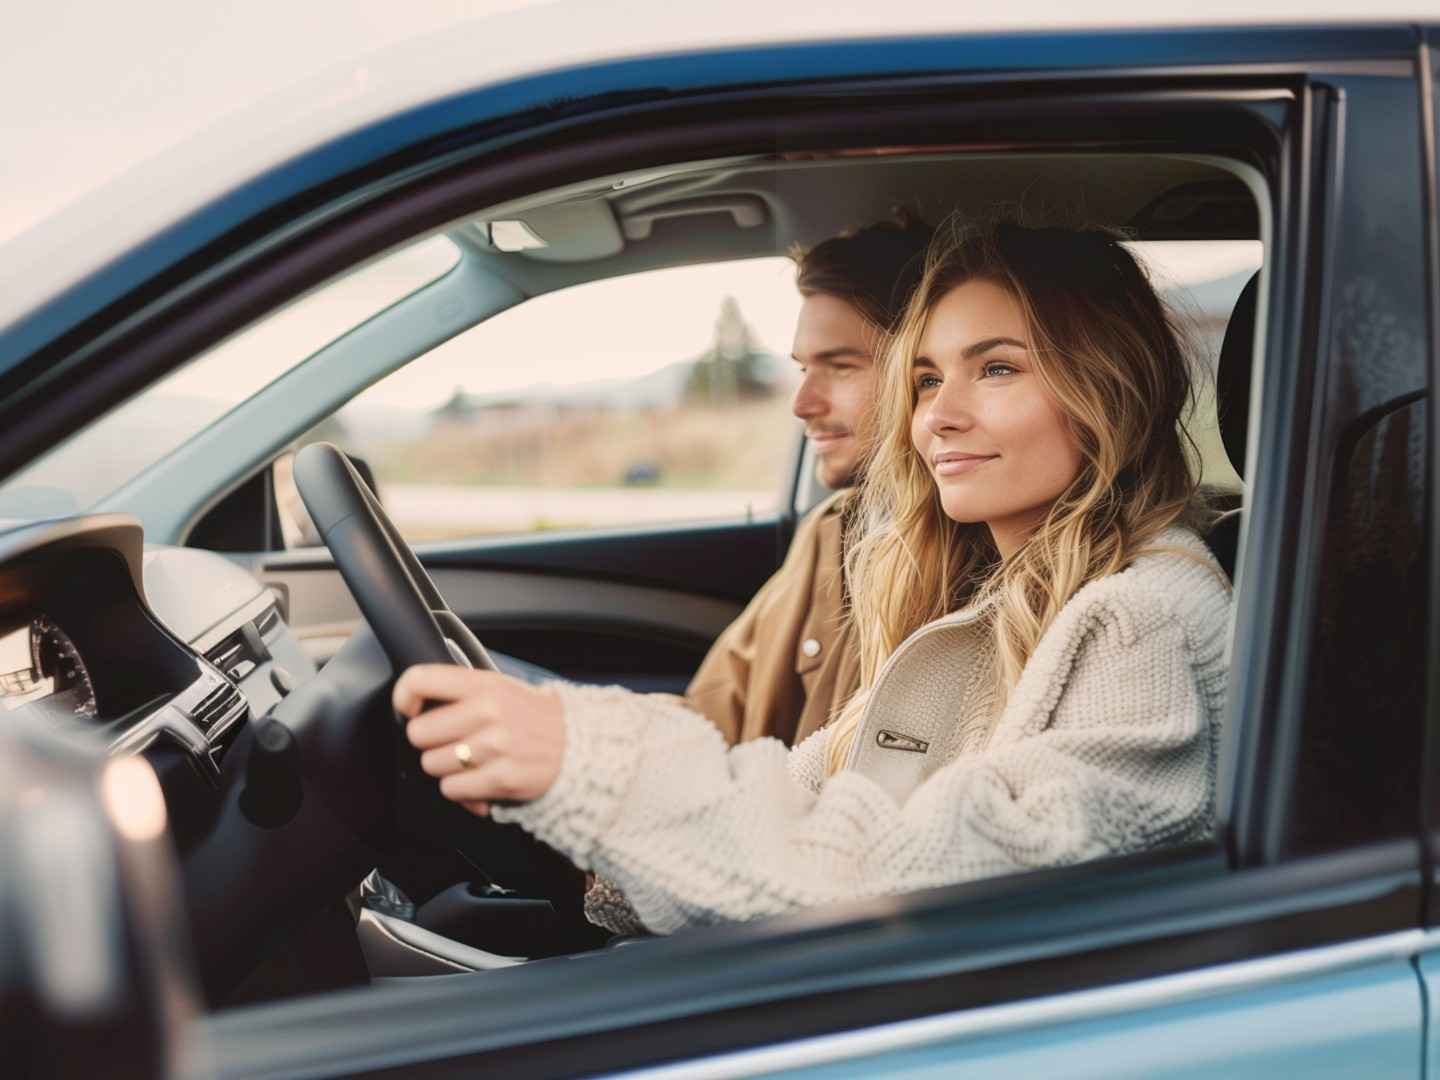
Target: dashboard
[174,654]
[158,650]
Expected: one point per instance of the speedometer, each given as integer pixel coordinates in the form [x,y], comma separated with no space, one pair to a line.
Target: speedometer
[54,657]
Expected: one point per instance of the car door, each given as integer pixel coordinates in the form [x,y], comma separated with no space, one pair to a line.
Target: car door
[1292,946]
[1291,942]
[628,606]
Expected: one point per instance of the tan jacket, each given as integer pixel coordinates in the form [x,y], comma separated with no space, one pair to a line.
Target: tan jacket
[789,660]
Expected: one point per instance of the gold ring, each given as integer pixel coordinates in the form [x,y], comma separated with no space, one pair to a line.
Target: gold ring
[464,754]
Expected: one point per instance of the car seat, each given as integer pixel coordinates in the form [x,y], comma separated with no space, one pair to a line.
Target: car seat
[1232,402]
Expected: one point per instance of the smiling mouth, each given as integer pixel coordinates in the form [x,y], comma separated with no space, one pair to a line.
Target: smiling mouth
[959,464]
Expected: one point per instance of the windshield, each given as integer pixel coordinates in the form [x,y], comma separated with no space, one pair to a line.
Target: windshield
[124,442]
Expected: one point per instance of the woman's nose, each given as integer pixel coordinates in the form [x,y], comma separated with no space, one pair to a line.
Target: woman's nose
[950,410]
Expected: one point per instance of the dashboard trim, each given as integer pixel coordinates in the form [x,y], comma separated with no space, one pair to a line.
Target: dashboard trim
[251,611]
[175,719]
[168,720]
[120,533]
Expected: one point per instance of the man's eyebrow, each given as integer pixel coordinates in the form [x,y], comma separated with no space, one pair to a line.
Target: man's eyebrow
[972,351]
[843,351]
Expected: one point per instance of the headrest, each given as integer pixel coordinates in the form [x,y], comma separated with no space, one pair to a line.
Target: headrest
[1232,376]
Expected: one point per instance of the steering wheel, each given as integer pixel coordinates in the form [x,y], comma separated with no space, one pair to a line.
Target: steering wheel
[413,625]
[394,592]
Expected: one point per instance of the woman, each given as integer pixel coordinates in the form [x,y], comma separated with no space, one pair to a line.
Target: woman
[1041,632]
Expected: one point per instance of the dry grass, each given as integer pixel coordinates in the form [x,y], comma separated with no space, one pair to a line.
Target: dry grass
[735,446]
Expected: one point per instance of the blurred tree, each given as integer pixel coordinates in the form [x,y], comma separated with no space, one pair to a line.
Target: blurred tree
[734,367]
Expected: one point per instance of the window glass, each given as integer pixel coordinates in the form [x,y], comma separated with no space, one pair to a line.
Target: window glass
[657,397]
[124,442]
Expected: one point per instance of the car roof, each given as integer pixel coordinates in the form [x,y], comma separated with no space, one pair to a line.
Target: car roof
[367,94]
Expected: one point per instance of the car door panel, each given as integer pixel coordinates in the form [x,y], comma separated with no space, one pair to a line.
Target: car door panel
[1372,1030]
[967,979]
[1428,968]
[629,606]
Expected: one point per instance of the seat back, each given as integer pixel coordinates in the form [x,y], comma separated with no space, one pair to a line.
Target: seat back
[1232,402]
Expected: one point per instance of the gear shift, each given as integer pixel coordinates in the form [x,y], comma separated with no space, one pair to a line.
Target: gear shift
[380,894]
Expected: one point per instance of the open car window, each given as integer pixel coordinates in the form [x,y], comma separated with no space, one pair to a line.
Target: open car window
[651,398]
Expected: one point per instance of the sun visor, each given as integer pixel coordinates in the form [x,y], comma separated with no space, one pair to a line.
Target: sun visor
[563,232]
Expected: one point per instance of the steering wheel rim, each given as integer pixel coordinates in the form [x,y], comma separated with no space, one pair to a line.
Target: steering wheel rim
[413,625]
[393,591]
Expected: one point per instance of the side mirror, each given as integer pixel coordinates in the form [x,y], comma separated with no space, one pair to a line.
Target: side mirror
[94,975]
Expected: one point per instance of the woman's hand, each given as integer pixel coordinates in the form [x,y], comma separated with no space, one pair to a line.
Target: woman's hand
[485,735]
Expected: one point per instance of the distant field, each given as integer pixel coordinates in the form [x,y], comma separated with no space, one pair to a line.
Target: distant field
[735,447]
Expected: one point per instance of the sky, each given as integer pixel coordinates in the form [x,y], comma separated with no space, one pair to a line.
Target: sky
[88,90]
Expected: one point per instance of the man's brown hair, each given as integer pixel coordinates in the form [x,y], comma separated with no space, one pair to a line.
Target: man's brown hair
[874,269]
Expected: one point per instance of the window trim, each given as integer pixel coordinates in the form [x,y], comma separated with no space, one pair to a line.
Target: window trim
[1430,194]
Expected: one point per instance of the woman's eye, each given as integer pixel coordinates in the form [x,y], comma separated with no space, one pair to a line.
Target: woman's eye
[927,382]
[992,370]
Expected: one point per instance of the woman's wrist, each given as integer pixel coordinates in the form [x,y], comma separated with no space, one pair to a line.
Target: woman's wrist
[604,731]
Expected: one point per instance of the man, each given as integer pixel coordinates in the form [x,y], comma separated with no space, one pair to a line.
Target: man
[787,663]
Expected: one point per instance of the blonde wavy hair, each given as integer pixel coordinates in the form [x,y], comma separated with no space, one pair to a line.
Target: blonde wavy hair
[1112,357]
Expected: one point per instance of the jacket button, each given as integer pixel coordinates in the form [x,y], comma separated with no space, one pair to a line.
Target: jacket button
[810,647]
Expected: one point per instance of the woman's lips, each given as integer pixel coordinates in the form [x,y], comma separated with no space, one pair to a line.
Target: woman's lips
[959,464]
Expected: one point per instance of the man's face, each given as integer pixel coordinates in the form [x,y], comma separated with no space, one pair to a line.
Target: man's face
[835,348]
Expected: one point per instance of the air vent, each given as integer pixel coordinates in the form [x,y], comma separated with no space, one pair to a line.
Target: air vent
[266,622]
[219,710]
[241,652]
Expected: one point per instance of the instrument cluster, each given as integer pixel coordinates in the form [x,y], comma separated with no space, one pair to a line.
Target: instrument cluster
[41,668]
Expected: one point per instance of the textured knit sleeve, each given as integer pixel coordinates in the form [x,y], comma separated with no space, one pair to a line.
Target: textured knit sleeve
[606,906]
[693,832]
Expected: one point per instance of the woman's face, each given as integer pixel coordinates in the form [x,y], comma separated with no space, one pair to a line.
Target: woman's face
[992,435]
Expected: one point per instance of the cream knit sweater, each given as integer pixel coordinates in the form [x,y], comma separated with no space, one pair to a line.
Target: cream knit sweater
[1106,745]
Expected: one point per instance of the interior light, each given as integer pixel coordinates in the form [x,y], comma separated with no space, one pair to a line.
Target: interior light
[514,236]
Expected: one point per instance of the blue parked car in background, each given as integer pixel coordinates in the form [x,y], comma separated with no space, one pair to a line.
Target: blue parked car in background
[218,861]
